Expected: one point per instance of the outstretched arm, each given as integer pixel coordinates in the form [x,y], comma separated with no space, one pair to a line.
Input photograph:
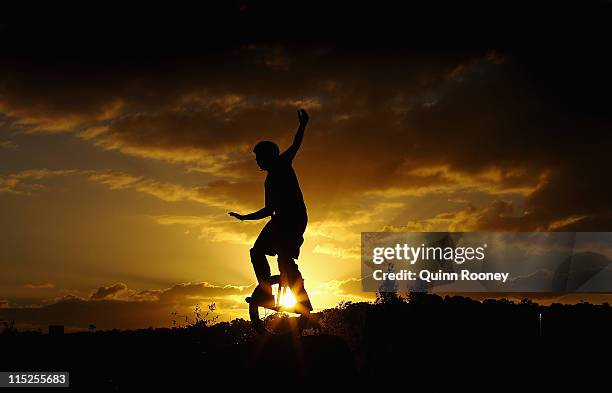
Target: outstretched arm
[299,135]
[258,215]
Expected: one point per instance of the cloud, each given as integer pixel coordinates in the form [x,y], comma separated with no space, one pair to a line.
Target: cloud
[534,281]
[412,133]
[182,294]
[114,180]
[219,193]
[46,285]
[338,252]
[24,182]
[117,306]
[109,293]
[202,290]
[335,291]
[503,216]
[215,228]
[8,145]
[510,121]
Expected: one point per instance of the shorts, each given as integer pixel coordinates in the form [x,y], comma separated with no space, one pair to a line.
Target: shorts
[281,237]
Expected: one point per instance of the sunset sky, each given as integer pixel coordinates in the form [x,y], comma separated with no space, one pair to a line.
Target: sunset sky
[125,142]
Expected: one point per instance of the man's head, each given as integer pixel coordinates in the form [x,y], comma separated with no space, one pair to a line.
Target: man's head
[266,153]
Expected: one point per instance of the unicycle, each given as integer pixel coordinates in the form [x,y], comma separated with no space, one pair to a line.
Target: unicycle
[279,321]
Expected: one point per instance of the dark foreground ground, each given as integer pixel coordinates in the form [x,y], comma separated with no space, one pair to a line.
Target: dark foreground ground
[394,340]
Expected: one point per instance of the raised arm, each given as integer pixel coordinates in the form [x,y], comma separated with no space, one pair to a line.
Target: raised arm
[299,135]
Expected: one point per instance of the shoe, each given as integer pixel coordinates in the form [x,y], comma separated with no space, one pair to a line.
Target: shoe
[303,304]
[303,307]
[262,298]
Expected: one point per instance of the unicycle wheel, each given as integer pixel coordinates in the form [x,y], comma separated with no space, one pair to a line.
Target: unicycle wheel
[279,321]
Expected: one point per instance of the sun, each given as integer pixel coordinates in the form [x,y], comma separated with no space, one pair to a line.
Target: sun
[287,299]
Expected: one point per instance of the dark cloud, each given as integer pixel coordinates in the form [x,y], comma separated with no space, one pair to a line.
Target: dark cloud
[403,112]
[117,306]
[109,293]
[181,292]
[499,115]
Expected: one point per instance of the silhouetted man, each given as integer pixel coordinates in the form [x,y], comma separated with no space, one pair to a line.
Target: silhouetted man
[283,234]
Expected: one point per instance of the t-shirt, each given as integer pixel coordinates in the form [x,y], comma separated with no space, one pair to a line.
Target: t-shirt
[283,194]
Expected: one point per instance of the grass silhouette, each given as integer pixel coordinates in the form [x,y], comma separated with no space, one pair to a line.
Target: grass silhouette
[356,340]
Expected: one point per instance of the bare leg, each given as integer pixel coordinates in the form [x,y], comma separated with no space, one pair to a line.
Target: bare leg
[262,272]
